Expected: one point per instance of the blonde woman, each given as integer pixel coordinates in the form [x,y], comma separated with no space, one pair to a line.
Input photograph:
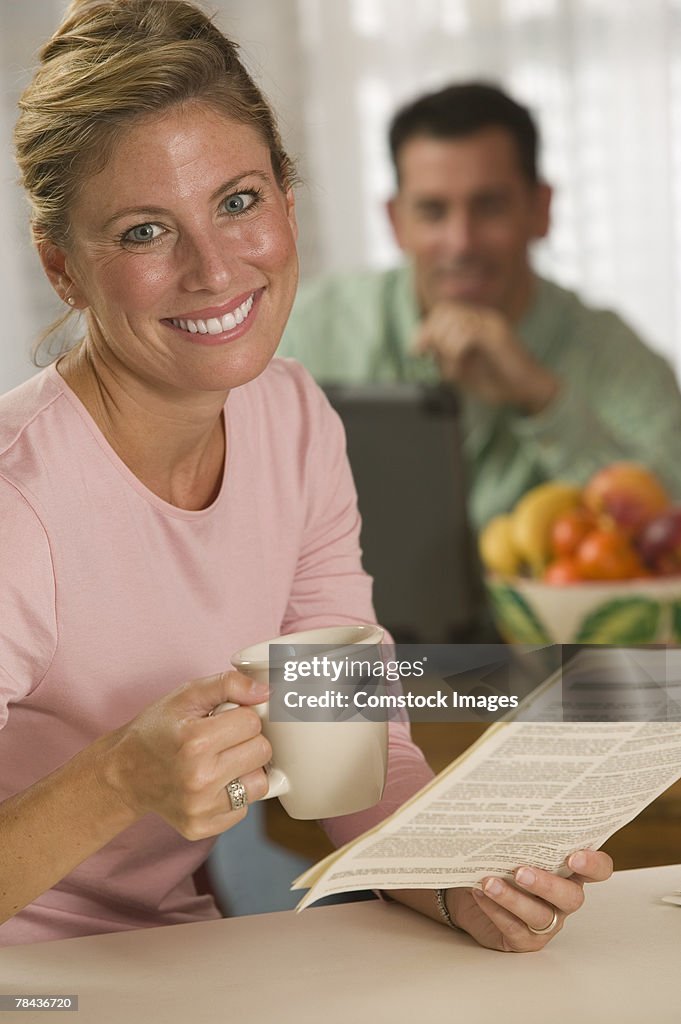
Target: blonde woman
[168,493]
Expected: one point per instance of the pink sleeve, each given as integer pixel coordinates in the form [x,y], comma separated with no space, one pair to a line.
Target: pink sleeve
[331,588]
[28,631]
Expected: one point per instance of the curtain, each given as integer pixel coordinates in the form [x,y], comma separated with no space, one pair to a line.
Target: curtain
[603,78]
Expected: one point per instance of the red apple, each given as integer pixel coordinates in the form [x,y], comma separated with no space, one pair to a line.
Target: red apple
[660,543]
[627,492]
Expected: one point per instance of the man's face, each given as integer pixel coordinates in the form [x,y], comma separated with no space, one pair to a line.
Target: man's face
[465,214]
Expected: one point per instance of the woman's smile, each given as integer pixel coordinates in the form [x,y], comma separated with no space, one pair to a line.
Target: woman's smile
[218,325]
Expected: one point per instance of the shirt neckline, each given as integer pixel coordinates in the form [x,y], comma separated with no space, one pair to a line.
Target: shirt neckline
[133,481]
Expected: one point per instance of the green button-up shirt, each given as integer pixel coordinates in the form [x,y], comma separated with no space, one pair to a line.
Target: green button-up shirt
[618,400]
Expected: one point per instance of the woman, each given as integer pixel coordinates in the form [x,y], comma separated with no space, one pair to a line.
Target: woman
[168,494]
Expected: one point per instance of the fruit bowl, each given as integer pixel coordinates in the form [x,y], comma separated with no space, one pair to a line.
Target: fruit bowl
[643,611]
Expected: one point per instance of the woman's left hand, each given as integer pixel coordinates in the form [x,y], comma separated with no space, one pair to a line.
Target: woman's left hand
[501,916]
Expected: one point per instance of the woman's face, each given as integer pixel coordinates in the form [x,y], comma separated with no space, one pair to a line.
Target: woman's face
[183,250]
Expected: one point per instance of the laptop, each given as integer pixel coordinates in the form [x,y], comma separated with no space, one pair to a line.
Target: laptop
[404,447]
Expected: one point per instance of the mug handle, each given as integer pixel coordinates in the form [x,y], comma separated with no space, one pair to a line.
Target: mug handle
[278,783]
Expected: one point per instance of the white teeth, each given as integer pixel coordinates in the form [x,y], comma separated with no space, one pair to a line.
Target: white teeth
[214,325]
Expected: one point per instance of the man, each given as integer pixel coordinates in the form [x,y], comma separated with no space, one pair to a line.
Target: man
[550,388]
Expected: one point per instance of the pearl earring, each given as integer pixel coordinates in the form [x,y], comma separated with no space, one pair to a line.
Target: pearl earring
[71,301]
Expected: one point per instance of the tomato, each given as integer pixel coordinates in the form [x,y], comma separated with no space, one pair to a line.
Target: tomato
[608,555]
[570,529]
[563,571]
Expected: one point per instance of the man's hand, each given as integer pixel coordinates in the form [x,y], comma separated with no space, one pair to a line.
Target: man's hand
[477,349]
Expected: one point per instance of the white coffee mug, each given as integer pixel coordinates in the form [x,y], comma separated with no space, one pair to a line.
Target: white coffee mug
[320,769]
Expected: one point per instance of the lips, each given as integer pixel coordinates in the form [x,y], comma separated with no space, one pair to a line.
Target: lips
[215,324]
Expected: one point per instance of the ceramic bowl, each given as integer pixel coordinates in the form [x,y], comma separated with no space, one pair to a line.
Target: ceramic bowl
[528,611]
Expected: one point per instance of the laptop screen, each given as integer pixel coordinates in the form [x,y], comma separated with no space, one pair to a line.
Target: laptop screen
[404,447]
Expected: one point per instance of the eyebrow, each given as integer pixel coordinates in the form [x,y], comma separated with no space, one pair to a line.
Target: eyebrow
[430,201]
[156,211]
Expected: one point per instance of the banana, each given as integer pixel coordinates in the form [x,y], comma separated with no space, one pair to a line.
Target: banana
[533,517]
[497,549]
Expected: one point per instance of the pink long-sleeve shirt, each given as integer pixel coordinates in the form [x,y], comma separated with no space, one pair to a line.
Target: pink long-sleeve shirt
[110,597]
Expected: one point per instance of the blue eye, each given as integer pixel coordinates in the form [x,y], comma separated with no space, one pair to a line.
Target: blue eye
[143,233]
[239,202]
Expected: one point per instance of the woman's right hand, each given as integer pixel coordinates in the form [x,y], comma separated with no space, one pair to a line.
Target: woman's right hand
[175,761]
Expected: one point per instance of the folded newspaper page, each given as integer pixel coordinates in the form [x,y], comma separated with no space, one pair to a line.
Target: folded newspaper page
[527,792]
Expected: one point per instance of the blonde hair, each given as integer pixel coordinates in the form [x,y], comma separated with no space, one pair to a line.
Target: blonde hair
[109,63]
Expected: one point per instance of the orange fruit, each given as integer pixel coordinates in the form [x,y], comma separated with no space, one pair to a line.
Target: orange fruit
[563,571]
[570,529]
[608,555]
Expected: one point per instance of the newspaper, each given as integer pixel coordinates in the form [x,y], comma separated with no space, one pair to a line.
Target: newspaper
[529,791]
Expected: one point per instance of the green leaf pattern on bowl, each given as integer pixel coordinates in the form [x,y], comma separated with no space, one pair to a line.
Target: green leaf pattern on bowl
[517,622]
[676,621]
[630,620]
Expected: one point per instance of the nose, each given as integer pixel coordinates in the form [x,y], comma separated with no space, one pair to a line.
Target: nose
[205,263]
[457,236]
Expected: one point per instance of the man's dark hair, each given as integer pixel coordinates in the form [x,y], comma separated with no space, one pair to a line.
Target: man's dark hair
[463,109]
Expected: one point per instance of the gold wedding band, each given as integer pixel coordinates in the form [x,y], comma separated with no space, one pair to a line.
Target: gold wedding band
[549,927]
